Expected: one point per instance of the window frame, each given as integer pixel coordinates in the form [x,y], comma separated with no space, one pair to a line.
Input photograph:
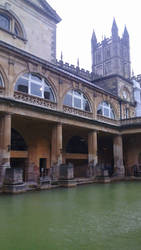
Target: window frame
[8,20]
[105,106]
[80,96]
[43,83]
[13,23]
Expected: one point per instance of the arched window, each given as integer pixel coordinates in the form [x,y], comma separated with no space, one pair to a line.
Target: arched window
[36,85]
[106,110]
[76,99]
[9,23]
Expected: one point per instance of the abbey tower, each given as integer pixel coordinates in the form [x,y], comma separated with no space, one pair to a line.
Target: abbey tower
[112,55]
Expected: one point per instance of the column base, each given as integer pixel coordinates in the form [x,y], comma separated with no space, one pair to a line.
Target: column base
[67,183]
[119,171]
[14,189]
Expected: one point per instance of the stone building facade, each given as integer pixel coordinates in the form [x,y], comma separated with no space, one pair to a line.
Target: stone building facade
[54,114]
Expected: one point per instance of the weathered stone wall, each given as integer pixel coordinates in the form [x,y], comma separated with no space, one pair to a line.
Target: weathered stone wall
[40,31]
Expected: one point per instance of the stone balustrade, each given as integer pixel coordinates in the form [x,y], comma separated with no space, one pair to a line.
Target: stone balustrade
[108,120]
[34,100]
[73,111]
[131,121]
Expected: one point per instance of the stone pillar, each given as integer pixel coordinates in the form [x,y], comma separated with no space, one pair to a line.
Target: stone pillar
[56,149]
[92,152]
[5,144]
[119,169]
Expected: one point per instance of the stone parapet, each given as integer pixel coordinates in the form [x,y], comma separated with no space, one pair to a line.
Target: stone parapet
[34,100]
[75,70]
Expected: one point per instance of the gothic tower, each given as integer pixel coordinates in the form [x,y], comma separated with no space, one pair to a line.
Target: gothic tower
[112,55]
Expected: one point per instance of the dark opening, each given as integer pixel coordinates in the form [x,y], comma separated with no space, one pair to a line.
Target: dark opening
[17,141]
[77,145]
[105,153]
[43,167]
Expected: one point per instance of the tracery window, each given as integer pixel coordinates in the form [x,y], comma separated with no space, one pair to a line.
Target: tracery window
[106,110]
[76,99]
[35,85]
[10,24]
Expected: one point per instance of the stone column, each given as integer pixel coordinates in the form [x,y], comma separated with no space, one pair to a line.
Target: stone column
[56,149]
[119,169]
[5,144]
[92,152]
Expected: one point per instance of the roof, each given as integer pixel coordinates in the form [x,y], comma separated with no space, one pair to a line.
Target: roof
[45,8]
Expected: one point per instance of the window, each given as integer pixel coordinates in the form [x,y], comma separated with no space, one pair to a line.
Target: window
[33,84]
[76,99]
[1,81]
[126,113]
[106,110]
[4,22]
[10,24]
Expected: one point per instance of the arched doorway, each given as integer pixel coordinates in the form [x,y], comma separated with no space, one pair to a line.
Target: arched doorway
[77,151]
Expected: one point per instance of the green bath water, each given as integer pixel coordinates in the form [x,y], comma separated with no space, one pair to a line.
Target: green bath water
[93,217]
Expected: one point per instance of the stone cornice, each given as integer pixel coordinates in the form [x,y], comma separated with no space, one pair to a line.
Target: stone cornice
[47,10]
[112,76]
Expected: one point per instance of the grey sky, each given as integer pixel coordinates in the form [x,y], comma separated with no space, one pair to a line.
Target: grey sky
[80,17]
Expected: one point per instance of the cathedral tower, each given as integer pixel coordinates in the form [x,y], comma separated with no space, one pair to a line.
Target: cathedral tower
[112,55]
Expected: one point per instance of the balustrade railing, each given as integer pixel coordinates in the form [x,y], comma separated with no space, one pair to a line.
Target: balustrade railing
[34,100]
[70,110]
[108,120]
[131,121]
[78,112]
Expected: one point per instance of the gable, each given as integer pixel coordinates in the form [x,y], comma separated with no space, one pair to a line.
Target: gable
[45,8]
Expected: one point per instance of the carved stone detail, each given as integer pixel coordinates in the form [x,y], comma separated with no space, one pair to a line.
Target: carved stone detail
[78,112]
[34,100]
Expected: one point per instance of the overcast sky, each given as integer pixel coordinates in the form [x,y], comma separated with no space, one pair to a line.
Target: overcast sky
[80,17]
